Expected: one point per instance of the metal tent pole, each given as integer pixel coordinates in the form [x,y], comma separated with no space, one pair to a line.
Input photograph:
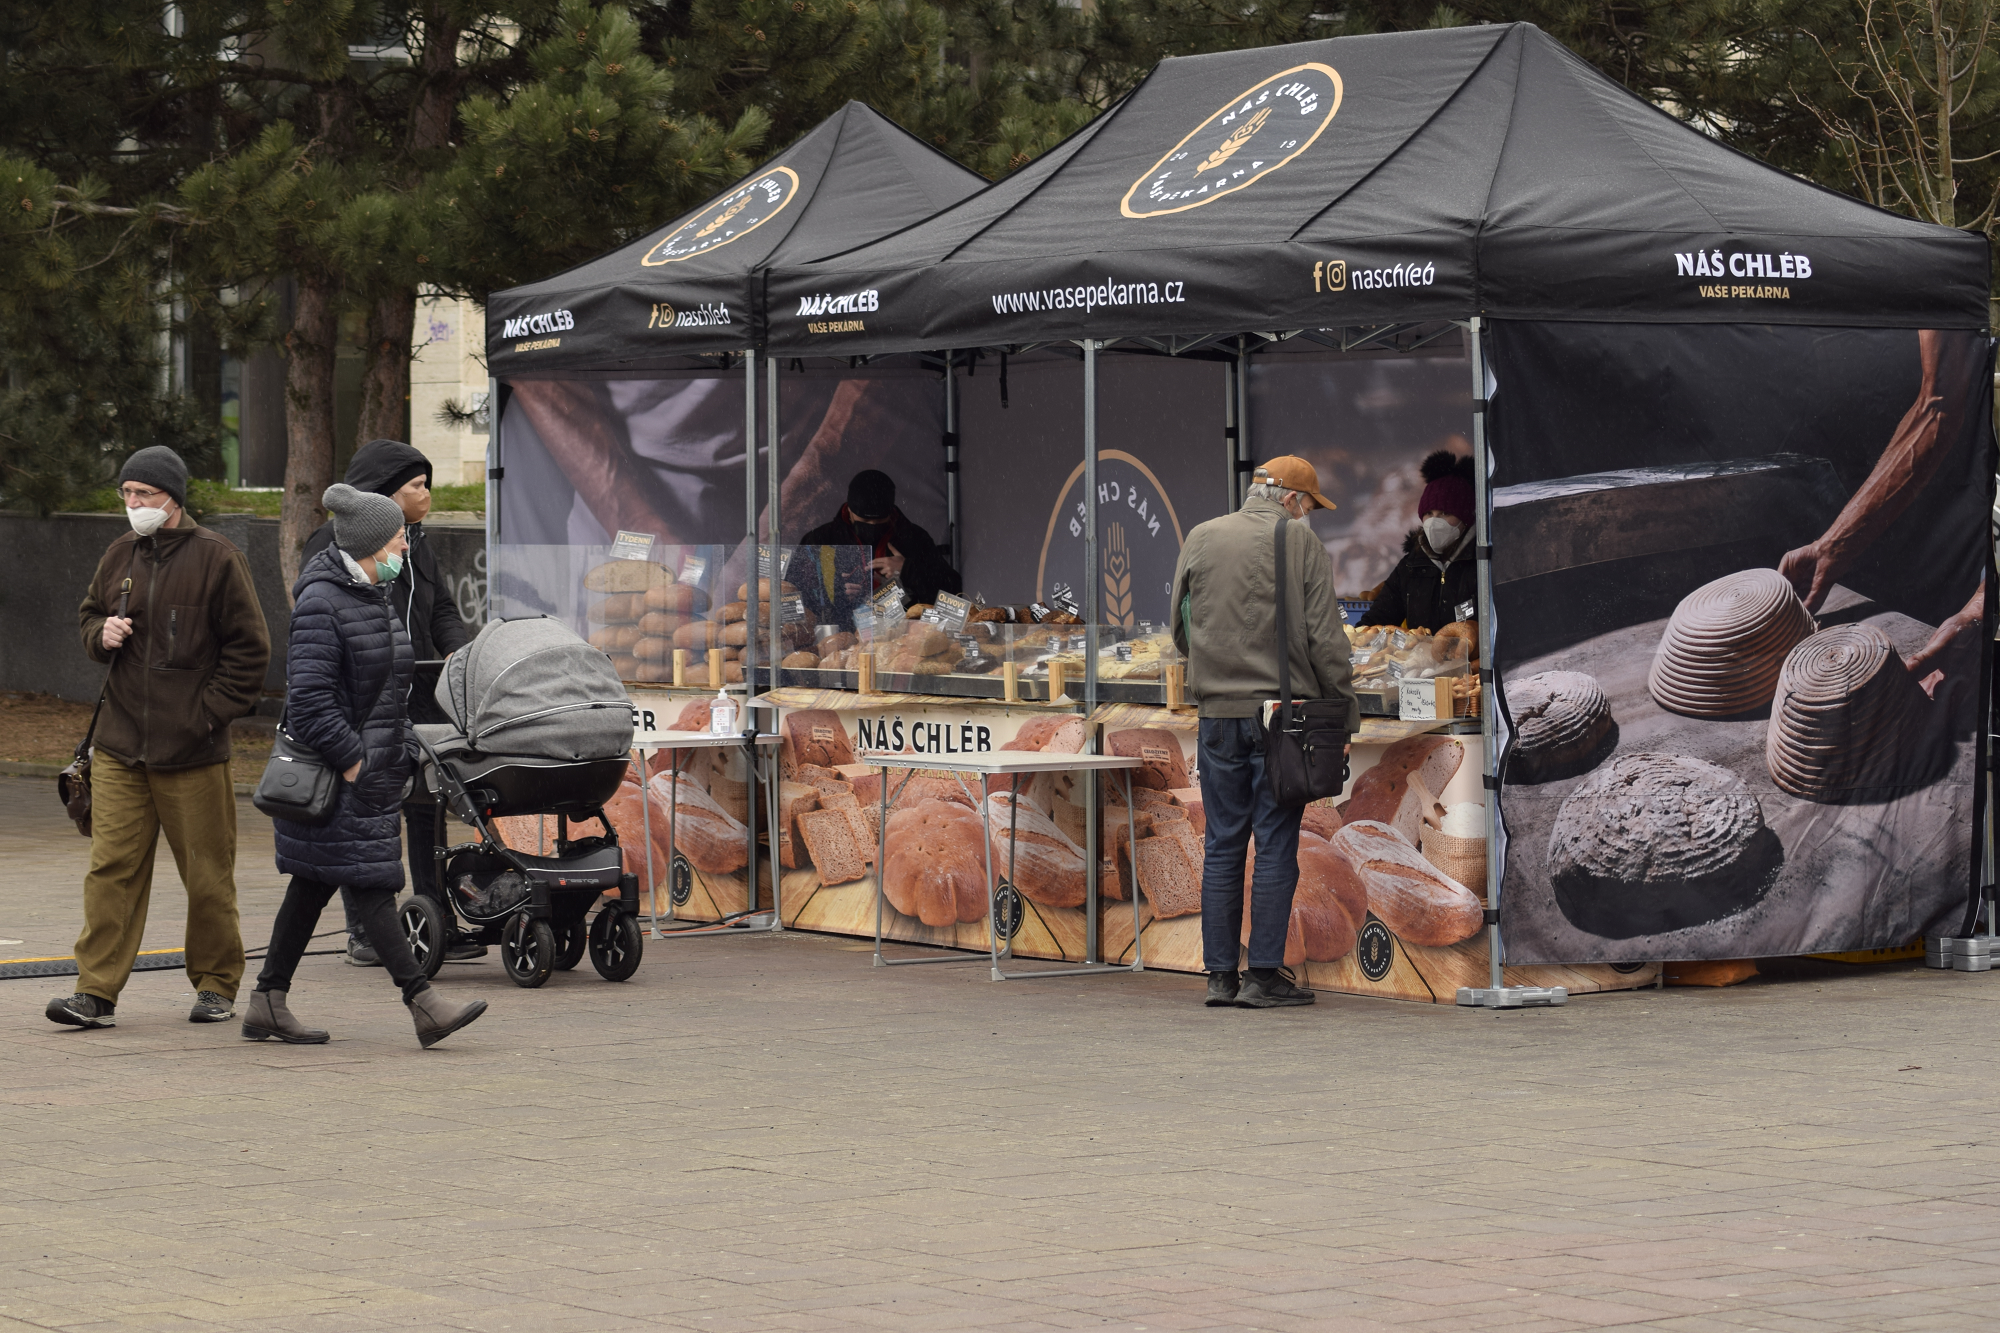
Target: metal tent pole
[1495,995]
[1245,452]
[1092,621]
[1229,436]
[748,722]
[775,483]
[951,458]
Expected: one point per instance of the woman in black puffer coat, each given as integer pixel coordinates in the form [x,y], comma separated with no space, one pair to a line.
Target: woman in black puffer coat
[347,682]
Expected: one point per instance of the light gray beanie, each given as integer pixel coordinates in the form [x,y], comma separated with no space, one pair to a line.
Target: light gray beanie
[363,522]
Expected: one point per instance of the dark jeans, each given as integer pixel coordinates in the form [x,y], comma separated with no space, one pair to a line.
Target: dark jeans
[299,913]
[420,828]
[1235,803]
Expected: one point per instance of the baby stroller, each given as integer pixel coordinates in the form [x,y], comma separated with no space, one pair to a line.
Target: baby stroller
[541,726]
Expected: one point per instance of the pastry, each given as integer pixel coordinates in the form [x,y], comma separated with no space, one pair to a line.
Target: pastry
[1562,725]
[1725,644]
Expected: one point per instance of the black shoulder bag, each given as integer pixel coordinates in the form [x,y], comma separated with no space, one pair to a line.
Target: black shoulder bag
[73,783]
[1305,743]
[298,785]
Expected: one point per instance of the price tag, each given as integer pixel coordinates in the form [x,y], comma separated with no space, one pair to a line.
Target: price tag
[864,622]
[793,609]
[1466,609]
[1417,700]
[1065,600]
[632,546]
[767,568]
[1039,612]
[952,611]
[889,604]
[693,570]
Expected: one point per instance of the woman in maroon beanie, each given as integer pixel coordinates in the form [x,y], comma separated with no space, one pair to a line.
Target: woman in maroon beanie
[1436,575]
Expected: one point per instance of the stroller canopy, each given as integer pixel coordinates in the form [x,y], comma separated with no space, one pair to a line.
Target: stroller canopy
[533,688]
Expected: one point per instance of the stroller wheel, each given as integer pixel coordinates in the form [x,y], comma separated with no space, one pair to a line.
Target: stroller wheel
[571,940]
[423,925]
[528,950]
[615,945]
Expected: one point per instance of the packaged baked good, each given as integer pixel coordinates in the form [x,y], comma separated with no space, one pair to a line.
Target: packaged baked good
[624,576]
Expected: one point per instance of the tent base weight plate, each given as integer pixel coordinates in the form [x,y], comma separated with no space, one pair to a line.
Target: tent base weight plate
[1512,997]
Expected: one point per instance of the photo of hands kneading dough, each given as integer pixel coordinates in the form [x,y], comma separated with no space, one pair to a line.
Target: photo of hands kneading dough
[587,459]
[1743,667]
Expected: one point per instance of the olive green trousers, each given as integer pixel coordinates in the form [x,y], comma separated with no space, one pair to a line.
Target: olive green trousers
[130,808]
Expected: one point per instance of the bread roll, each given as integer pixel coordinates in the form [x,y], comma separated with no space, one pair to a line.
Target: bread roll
[764,591]
[625,665]
[617,608]
[673,597]
[803,661]
[605,640]
[622,576]
[733,611]
[915,610]
[653,650]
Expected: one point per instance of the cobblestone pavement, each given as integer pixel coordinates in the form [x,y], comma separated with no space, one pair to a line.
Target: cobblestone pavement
[764,1133]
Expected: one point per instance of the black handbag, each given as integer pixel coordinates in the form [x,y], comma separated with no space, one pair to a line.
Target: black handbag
[297,785]
[73,783]
[1305,740]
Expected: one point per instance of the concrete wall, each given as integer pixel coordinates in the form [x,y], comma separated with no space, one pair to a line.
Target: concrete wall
[49,563]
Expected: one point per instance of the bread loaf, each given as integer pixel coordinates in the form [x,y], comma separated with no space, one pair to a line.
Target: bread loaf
[1059,734]
[816,736]
[660,623]
[1047,867]
[698,634]
[626,665]
[1328,906]
[1170,878]
[1165,768]
[764,591]
[794,799]
[803,661]
[936,868]
[712,841]
[654,651]
[733,611]
[835,850]
[1400,790]
[674,597]
[621,576]
[617,609]
[1413,898]
[1189,799]
[1321,819]
[835,642]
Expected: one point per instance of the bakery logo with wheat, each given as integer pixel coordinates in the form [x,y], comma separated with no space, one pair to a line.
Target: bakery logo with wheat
[1138,541]
[729,218]
[1250,137]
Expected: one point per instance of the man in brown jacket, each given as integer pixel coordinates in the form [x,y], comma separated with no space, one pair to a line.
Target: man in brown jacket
[1225,618]
[187,646]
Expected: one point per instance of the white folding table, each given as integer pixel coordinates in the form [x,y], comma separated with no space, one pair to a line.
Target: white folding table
[1011,763]
[645,744]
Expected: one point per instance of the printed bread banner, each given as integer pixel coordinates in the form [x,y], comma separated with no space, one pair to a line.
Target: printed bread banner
[1745,668]
[1390,899]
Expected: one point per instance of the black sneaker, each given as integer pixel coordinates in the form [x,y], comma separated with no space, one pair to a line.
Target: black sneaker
[1222,988]
[212,1007]
[464,949]
[82,1011]
[362,954]
[1272,992]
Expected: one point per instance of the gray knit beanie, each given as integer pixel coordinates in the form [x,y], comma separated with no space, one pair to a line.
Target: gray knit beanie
[363,522]
[159,467]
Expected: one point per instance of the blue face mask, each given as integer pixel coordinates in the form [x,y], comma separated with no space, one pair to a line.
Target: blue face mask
[388,568]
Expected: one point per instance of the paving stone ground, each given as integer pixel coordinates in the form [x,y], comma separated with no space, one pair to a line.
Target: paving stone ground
[765,1133]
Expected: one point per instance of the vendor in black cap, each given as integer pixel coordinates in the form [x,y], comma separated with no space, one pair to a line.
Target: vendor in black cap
[896,551]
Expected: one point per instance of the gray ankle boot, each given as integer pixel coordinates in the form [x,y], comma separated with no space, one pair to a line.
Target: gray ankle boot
[268,1016]
[437,1017]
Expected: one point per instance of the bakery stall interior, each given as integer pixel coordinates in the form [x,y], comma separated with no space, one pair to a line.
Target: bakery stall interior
[1060,451]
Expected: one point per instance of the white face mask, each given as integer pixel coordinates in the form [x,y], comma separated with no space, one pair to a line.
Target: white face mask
[1442,533]
[146,521]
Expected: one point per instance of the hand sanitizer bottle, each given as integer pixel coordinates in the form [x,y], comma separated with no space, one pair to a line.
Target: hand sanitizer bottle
[722,715]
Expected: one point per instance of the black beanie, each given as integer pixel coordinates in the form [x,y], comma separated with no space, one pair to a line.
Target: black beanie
[871,494]
[159,467]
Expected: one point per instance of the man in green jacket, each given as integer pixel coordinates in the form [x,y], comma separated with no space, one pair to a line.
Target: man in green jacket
[173,611]
[1225,619]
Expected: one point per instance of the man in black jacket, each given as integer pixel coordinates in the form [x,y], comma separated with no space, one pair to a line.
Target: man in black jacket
[898,551]
[430,615]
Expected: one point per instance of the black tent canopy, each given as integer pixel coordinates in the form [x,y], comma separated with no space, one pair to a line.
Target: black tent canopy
[693,286]
[1364,180]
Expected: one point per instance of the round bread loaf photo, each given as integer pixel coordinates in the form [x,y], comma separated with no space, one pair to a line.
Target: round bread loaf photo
[1725,644]
[1659,842]
[936,868]
[1562,726]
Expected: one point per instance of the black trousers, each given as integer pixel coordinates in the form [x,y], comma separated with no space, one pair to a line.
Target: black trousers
[419,830]
[305,899]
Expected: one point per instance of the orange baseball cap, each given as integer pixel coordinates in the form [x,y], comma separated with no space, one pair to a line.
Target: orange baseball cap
[1294,474]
